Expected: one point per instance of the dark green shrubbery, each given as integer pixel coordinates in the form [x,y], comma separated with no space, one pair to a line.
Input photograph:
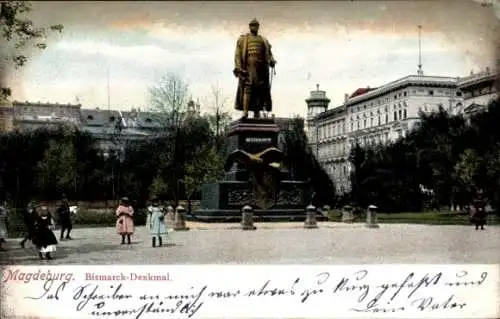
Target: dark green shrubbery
[106,218]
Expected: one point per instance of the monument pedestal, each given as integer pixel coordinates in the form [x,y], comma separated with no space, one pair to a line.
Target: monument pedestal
[252,136]
[224,200]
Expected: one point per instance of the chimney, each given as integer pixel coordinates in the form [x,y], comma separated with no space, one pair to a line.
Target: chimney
[487,70]
[346,97]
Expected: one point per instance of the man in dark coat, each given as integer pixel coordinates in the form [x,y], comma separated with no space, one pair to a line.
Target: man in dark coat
[29,217]
[479,215]
[65,218]
[252,60]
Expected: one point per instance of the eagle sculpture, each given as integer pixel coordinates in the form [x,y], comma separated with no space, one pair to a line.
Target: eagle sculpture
[264,169]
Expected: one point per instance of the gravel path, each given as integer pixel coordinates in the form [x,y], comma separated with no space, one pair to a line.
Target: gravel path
[276,243]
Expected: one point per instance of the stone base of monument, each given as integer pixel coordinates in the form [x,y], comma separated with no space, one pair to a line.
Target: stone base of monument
[223,201]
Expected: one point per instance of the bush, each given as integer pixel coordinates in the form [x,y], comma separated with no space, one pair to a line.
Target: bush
[106,217]
[15,224]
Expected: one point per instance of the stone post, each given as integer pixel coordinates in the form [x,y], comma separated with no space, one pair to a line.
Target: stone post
[347,214]
[179,221]
[247,218]
[310,217]
[371,217]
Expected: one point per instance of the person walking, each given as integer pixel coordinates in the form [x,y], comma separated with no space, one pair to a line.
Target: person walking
[65,218]
[4,212]
[29,217]
[479,215]
[44,237]
[156,222]
[125,221]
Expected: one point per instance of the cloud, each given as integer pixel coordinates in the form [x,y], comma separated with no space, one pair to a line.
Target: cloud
[340,45]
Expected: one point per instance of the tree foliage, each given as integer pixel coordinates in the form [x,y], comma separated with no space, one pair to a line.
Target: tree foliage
[449,155]
[18,34]
[304,166]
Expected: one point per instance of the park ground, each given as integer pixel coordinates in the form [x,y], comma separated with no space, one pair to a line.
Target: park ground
[275,243]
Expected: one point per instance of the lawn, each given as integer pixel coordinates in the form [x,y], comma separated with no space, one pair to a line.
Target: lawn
[432,218]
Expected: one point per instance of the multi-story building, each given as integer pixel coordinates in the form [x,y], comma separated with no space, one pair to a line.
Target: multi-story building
[373,115]
[6,118]
[30,116]
[479,89]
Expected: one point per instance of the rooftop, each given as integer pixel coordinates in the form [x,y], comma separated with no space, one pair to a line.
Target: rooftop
[403,82]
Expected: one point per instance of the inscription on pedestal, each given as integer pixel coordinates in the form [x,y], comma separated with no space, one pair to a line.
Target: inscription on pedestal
[239,196]
[293,197]
[259,140]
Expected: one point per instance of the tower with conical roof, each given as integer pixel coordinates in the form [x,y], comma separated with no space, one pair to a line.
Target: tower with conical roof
[317,103]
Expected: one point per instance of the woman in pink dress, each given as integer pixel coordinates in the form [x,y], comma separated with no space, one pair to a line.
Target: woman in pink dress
[125,221]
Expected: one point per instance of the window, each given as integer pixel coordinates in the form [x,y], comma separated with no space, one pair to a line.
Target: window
[395,116]
[378,122]
[112,119]
[405,93]
[371,121]
[399,114]
[352,126]
[431,92]
[404,113]
[364,123]
[386,118]
[90,117]
[148,120]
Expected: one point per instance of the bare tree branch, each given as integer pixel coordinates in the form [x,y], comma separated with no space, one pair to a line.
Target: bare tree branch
[168,98]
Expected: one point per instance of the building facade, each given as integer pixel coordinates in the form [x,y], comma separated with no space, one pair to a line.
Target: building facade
[381,115]
[479,89]
[26,116]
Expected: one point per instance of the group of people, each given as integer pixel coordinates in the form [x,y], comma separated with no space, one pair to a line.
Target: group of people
[40,224]
[155,222]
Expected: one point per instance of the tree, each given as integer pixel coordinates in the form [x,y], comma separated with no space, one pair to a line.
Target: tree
[304,166]
[56,171]
[466,174]
[18,33]
[169,99]
[218,117]
[206,167]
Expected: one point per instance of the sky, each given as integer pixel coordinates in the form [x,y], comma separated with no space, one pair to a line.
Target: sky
[340,45]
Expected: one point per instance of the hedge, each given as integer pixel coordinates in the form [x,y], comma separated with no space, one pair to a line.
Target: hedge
[86,218]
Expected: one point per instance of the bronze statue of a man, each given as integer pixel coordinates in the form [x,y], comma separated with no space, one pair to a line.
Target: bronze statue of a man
[252,61]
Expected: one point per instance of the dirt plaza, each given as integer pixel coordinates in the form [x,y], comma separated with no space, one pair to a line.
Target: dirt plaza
[274,243]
